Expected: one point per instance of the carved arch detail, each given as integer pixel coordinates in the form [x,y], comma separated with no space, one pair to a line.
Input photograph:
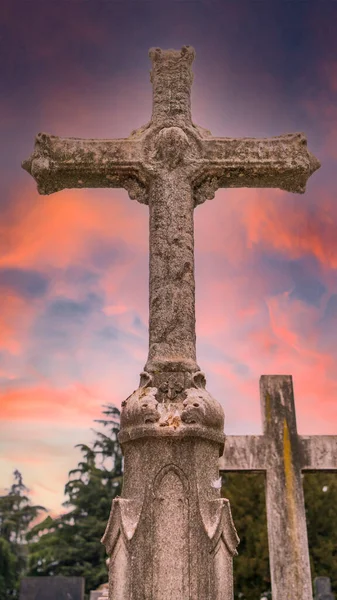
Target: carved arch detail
[175,469]
[119,570]
[170,535]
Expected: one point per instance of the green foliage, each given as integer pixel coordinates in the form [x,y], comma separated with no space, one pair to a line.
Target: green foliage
[246,493]
[320,490]
[70,544]
[8,570]
[16,515]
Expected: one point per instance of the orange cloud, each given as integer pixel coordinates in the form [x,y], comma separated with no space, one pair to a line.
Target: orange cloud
[238,220]
[54,230]
[16,316]
[77,403]
[292,230]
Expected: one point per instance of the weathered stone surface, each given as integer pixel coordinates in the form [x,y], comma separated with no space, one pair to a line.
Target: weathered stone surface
[290,569]
[172,165]
[170,535]
[95,594]
[318,452]
[149,413]
[52,588]
[282,454]
[101,592]
[250,453]
[244,453]
[322,587]
[172,522]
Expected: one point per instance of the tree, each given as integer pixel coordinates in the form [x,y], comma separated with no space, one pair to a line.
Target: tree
[16,515]
[70,544]
[8,570]
[320,490]
[246,493]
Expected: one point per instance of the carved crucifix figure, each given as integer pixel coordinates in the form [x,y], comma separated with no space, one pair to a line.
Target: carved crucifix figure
[172,516]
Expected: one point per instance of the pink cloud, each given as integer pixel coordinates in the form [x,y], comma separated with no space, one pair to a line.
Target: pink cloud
[45,404]
[38,224]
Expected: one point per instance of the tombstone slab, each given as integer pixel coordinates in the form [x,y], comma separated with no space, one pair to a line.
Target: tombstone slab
[322,586]
[95,594]
[171,535]
[52,588]
[101,591]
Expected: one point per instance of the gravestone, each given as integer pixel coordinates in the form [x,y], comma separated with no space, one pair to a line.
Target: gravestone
[322,586]
[102,591]
[283,455]
[52,588]
[171,535]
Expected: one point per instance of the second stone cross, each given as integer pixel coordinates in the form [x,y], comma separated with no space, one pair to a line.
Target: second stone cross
[171,536]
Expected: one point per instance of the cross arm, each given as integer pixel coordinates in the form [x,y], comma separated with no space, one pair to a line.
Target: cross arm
[282,162]
[250,452]
[319,452]
[244,453]
[58,163]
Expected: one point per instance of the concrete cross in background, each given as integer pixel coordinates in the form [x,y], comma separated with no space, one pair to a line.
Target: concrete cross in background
[283,455]
[171,535]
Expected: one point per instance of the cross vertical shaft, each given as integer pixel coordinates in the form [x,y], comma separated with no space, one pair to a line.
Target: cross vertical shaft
[172,287]
[288,539]
[171,78]
[283,455]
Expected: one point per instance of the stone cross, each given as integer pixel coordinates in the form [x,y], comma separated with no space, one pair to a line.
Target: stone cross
[283,455]
[170,535]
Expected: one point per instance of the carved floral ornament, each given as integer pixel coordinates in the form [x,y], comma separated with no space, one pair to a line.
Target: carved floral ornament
[171,403]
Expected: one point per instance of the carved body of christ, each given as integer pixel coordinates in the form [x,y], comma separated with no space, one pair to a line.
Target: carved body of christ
[170,535]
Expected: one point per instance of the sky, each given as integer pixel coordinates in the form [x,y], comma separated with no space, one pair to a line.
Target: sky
[74,265]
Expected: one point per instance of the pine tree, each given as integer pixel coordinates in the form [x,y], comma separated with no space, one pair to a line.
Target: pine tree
[8,570]
[70,544]
[16,515]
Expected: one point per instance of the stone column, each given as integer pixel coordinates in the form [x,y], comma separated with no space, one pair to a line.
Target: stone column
[172,286]
[171,78]
[171,535]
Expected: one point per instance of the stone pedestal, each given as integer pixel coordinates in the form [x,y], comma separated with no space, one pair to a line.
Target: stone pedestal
[171,536]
